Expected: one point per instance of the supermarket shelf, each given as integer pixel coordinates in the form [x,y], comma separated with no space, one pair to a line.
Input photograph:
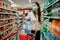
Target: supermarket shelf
[20,17]
[6,9]
[51,17]
[7,13]
[46,36]
[13,36]
[10,31]
[3,8]
[5,30]
[9,35]
[49,29]
[7,18]
[6,24]
[51,5]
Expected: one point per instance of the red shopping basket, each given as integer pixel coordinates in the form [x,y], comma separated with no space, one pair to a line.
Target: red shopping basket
[22,37]
[25,37]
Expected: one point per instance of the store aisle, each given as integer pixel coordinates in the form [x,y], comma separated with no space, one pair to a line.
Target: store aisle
[19,17]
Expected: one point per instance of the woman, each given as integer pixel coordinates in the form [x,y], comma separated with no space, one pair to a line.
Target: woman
[37,21]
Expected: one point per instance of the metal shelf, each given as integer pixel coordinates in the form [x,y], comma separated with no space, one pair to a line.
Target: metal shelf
[51,17]
[51,5]
[14,36]
[5,30]
[13,31]
[6,24]
[46,36]
[8,34]
[7,18]
[7,13]
[6,9]
[20,17]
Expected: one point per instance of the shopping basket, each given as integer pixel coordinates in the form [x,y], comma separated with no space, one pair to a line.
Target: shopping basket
[26,37]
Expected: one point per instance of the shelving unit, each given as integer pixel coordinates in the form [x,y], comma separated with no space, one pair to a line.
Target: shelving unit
[6,24]
[51,5]
[51,17]
[50,32]
[8,28]
[7,9]
[8,35]
[7,19]
[20,20]
[7,13]
[46,36]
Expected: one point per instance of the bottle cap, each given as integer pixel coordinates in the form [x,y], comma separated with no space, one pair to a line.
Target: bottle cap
[28,19]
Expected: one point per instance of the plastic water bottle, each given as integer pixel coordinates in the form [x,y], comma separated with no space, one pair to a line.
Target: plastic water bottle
[28,26]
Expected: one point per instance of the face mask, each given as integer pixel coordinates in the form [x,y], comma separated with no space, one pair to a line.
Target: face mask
[34,8]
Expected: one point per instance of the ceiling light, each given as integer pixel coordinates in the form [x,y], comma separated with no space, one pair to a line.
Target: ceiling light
[14,5]
[29,1]
[10,1]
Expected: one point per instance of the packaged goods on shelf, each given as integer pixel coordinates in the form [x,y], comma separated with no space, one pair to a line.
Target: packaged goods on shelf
[51,28]
[49,2]
[7,21]
[5,5]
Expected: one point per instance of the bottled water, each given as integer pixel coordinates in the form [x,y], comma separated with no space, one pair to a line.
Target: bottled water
[28,26]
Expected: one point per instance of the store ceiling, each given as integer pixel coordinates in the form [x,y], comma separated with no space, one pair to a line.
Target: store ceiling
[25,3]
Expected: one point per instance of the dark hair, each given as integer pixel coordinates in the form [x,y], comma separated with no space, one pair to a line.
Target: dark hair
[39,11]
